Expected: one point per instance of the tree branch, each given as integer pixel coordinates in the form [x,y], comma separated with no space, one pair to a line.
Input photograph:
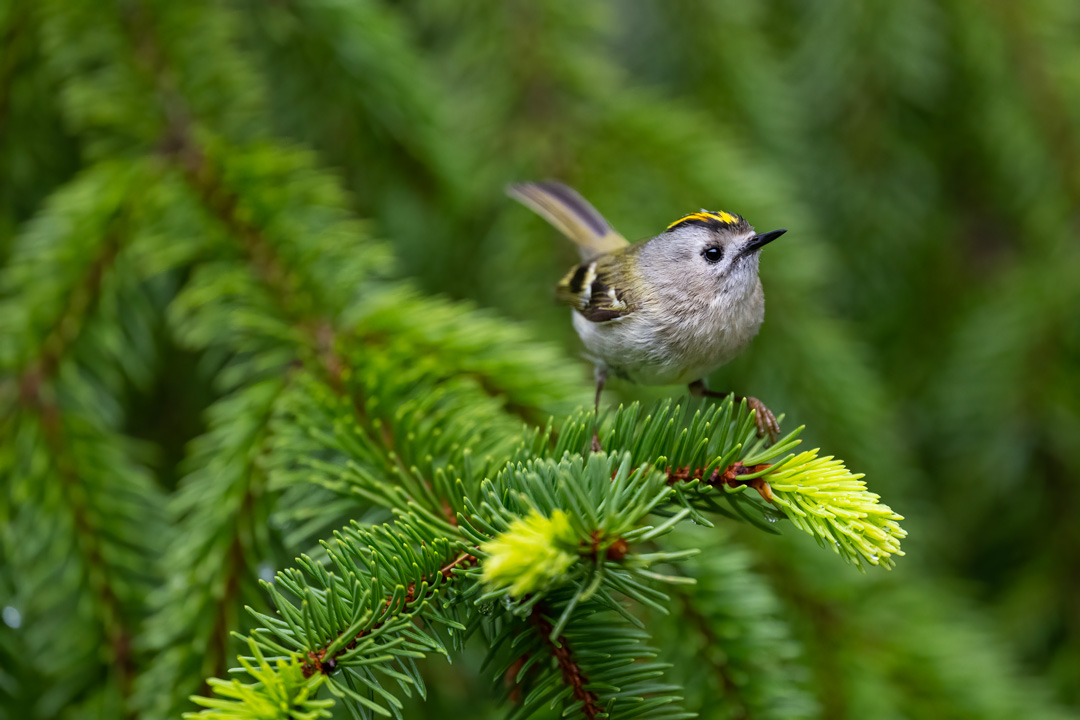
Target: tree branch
[317,661]
[729,476]
[572,675]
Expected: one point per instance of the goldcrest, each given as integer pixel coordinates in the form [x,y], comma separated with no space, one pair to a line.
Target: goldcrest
[665,311]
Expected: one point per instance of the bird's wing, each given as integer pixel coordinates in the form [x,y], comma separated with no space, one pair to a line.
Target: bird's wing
[598,289]
[571,214]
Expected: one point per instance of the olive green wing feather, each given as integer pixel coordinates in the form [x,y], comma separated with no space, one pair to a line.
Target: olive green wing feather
[599,290]
[571,214]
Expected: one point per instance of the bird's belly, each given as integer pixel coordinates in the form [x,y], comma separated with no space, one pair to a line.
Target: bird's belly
[650,353]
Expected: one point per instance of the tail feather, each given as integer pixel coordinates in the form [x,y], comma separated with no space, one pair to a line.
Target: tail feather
[570,214]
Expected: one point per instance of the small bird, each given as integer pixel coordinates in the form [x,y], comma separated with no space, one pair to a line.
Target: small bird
[665,311]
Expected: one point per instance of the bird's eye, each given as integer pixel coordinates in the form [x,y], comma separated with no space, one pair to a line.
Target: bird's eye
[713,254]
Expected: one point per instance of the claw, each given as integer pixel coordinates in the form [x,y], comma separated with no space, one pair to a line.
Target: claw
[764,419]
[596,446]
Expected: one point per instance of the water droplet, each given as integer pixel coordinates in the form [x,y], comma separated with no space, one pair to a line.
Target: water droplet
[12,616]
[266,572]
[772,518]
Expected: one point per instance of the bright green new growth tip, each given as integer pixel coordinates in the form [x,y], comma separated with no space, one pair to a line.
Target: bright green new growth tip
[280,690]
[823,498]
[533,552]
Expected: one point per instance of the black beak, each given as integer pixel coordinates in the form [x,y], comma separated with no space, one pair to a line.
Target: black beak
[761,240]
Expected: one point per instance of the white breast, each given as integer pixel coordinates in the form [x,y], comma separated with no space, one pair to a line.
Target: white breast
[682,344]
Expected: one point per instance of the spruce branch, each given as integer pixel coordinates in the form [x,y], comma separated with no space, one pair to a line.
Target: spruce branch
[379,81]
[390,443]
[63,443]
[337,391]
[68,312]
[357,626]
[257,191]
[531,552]
[572,675]
[280,318]
[595,667]
[714,456]
[823,498]
[592,512]
[569,536]
[217,509]
[730,641]
[281,690]
[53,281]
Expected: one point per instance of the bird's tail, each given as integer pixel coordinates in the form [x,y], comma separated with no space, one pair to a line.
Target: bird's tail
[571,214]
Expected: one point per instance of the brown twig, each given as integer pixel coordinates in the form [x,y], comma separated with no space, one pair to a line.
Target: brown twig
[317,660]
[35,394]
[616,550]
[572,675]
[88,531]
[730,476]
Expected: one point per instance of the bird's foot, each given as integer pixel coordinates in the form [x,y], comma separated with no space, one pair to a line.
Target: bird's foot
[596,446]
[764,419]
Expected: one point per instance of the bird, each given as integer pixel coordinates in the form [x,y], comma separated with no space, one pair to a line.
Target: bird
[668,310]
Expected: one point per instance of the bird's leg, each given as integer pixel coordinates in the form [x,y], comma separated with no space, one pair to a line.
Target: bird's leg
[601,376]
[763,417]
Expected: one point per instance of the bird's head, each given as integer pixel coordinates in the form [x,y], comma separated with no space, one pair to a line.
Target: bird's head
[708,250]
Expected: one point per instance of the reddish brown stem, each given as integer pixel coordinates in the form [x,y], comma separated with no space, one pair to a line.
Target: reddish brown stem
[318,660]
[572,674]
[730,476]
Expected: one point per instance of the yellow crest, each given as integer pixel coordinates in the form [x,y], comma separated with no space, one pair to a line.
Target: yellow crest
[708,218]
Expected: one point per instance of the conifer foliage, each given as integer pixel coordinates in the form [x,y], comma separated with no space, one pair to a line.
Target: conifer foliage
[252,466]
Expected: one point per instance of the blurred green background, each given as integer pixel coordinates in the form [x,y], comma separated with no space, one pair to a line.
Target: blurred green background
[922,312]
